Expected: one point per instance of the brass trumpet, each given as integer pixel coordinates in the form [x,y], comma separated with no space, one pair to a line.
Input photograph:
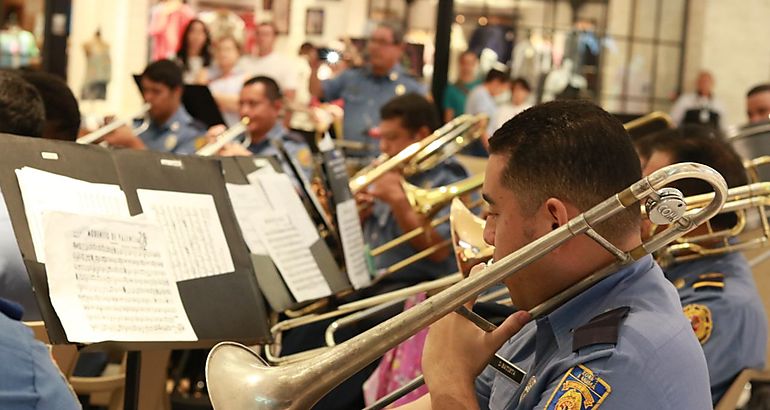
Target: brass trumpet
[238,378]
[227,136]
[443,142]
[96,135]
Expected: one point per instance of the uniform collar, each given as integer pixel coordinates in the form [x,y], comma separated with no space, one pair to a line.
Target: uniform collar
[582,308]
[180,117]
[277,132]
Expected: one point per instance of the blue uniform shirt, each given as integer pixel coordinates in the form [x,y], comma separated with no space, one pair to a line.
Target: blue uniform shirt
[721,300]
[29,380]
[294,144]
[381,227]
[177,135]
[14,281]
[364,94]
[654,362]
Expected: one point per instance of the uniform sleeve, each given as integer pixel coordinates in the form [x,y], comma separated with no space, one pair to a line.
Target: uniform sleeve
[334,87]
[484,387]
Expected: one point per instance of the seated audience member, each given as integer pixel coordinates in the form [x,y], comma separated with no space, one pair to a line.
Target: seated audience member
[700,107]
[171,128]
[622,343]
[717,292]
[520,91]
[194,53]
[758,103]
[385,210]
[225,78]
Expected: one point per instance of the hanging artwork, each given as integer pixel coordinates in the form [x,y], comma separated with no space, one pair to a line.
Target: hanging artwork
[314,22]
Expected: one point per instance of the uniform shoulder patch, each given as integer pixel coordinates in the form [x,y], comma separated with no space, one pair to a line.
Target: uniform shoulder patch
[700,320]
[579,389]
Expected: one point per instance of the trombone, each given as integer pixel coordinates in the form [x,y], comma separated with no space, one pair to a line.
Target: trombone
[648,124]
[96,135]
[238,378]
[227,136]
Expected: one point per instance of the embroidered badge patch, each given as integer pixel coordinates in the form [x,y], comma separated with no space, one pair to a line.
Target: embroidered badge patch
[580,389]
[700,320]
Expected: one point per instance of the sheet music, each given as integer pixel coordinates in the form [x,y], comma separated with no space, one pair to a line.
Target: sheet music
[282,195]
[197,246]
[353,243]
[248,202]
[44,191]
[293,258]
[109,280]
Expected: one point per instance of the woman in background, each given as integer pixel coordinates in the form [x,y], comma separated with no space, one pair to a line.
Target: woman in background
[194,53]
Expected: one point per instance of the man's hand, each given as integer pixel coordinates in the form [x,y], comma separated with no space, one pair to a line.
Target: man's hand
[124,138]
[234,150]
[388,188]
[365,204]
[456,352]
[213,132]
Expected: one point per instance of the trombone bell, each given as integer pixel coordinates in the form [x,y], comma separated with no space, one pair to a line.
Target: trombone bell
[468,238]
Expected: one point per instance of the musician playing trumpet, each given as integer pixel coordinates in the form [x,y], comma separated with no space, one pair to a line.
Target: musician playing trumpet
[261,102]
[385,209]
[621,344]
[171,128]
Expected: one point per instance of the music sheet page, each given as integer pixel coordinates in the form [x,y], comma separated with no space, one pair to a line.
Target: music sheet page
[293,258]
[282,195]
[197,245]
[352,238]
[109,279]
[248,202]
[44,191]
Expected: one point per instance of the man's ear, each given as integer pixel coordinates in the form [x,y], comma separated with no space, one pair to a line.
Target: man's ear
[556,212]
[423,132]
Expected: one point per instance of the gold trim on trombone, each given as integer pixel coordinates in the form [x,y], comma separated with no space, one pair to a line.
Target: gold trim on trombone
[238,378]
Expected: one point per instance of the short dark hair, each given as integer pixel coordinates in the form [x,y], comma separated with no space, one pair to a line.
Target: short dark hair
[269,24]
[21,108]
[572,150]
[272,90]
[521,82]
[205,52]
[760,88]
[165,72]
[495,75]
[414,110]
[62,115]
[693,145]
[396,30]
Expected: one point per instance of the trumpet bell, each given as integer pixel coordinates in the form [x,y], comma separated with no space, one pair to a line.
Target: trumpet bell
[468,238]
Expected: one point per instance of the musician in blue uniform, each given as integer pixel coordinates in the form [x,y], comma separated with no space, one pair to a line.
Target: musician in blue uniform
[717,292]
[621,344]
[366,89]
[387,213]
[261,102]
[30,378]
[168,127]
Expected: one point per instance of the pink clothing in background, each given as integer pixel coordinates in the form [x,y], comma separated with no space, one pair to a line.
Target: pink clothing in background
[399,366]
[167,24]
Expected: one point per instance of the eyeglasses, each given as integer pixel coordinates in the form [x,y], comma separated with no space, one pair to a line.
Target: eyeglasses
[380,42]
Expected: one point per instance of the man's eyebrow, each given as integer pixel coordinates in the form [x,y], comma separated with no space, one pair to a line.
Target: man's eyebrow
[488,199]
